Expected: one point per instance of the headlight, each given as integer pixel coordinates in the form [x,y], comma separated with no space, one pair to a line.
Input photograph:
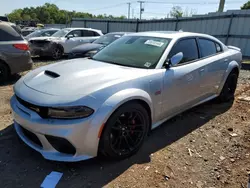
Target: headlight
[92,52]
[70,112]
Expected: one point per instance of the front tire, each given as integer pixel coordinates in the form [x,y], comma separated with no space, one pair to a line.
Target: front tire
[57,53]
[124,132]
[229,87]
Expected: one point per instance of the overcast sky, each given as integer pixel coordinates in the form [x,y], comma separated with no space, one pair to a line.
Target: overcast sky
[153,8]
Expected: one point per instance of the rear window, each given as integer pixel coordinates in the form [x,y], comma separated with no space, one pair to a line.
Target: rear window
[7,33]
[207,47]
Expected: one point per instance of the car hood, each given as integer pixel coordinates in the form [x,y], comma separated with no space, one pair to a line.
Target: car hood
[86,47]
[79,76]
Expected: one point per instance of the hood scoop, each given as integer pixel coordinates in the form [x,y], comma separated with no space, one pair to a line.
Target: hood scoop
[51,74]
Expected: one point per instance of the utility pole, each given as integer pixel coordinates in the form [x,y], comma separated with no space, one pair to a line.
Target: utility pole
[141,9]
[221,6]
[129,5]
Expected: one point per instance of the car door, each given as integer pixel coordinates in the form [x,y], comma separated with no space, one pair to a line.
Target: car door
[73,39]
[215,63]
[181,83]
[89,36]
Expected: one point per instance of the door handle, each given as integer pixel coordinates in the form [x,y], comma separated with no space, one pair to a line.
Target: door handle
[189,77]
[202,70]
[225,60]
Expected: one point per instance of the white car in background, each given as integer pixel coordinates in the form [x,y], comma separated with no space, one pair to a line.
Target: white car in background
[62,41]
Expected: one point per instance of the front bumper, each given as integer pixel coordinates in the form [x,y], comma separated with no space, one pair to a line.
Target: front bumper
[82,134]
[41,51]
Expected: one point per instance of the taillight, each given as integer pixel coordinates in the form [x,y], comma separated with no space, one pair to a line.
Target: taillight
[24,46]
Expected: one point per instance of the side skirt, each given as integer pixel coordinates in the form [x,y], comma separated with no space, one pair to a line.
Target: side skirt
[172,115]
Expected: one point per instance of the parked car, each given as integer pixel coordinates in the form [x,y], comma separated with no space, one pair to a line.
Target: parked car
[76,109]
[89,49]
[63,41]
[28,30]
[42,33]
[4,18]
[14,51]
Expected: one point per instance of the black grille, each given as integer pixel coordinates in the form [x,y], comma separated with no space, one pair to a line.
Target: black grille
[62,145]
[42,111]
[31,136]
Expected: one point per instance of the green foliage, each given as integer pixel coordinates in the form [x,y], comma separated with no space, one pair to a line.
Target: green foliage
[176,12]
[246,5]
[50,14]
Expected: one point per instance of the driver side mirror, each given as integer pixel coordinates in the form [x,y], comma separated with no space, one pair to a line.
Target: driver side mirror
[176,59]
[70,36]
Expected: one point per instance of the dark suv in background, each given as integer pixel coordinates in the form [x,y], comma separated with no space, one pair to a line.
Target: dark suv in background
[14,51]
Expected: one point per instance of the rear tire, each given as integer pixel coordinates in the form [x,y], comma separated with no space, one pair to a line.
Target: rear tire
[124,132]
[57,52]
[4,72]
[229,87]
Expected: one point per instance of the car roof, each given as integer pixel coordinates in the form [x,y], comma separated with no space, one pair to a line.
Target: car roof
[81,28]
[119,33]
[171,34]
[4,23]
[47,29]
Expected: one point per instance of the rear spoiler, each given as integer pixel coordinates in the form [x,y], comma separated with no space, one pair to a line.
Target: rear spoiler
[234,48]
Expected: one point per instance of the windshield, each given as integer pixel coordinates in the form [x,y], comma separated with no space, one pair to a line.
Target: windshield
[61,33]
[134,51]
[107,39]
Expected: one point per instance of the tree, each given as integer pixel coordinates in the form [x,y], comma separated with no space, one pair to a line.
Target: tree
[246,5]
[15,15]
[176,12]
[189,12]
[50,13]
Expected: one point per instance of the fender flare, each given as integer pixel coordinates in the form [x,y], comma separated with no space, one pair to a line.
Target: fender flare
[108,108]
[55,44]
[232,65]
[124,96]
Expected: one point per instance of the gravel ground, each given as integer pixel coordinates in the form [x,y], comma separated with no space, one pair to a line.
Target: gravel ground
[207,146]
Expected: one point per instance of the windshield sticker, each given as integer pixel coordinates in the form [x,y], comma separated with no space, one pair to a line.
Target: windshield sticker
[154,43]
[147,64]
[117,36]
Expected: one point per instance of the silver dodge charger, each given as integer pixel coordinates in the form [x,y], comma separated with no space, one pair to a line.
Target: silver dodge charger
[77,109]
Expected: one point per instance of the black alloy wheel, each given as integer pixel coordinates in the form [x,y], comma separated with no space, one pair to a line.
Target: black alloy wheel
[57,53]
[125,131]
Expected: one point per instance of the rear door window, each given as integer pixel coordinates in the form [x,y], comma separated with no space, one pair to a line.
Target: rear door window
[87,33]
[7,33]
[207,47]
[189,49]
